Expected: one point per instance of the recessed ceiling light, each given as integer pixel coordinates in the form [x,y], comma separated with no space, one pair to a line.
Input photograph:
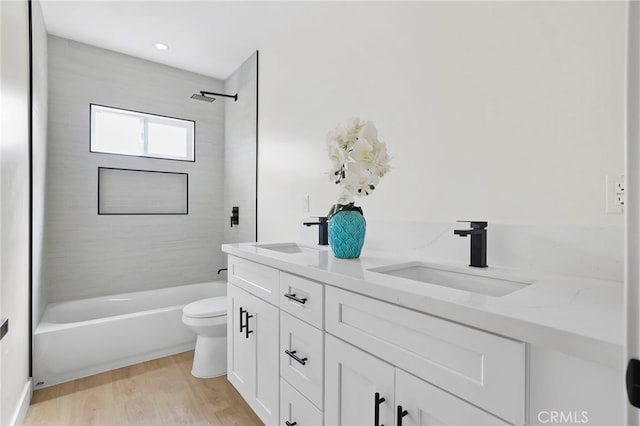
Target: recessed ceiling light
[161,46]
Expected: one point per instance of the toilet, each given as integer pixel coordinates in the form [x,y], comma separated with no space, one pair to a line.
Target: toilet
[208,319]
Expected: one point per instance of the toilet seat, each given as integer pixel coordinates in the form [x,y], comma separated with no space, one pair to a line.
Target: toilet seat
[206,308]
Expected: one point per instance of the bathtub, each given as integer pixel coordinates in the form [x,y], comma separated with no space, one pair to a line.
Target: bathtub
[79,338]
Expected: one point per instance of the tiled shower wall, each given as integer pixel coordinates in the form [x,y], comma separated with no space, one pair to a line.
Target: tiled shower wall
[86,254]
[240,151]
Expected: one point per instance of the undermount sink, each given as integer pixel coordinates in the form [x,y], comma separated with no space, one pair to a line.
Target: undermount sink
[485,282]
[289,248]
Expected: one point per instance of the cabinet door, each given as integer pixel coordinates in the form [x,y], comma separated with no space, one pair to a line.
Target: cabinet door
[241,368]
[427,405]
[352,379]
[252,361]
[265,327]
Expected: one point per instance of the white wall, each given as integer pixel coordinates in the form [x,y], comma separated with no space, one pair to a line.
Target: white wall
[39,154]
[87,254]
[632,216]
[240,151]
[14,210]
[510,112]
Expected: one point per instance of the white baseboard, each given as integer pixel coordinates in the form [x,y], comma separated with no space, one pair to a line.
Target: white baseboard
[23,405]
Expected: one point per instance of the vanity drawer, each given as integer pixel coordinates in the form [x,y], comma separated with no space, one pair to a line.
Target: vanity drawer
[257,279]
[480,367]
[302,298]
[302,357]
[295,408]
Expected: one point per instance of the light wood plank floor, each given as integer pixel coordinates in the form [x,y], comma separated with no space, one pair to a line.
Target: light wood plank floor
[158,392]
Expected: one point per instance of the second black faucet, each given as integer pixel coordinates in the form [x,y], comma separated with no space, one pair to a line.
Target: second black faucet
[478,234]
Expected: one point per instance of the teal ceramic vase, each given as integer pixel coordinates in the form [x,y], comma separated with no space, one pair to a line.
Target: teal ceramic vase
[346,234]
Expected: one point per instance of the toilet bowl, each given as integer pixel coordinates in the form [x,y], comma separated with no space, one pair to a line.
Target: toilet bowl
[208,319]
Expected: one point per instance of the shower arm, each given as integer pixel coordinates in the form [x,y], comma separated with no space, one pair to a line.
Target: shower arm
[235,97]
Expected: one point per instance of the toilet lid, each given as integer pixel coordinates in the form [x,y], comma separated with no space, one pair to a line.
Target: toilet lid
[211,307]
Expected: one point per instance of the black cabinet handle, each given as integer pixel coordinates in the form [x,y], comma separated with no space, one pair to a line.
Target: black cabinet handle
[245,327]
[288,423]
[401,414]
[376,409]
[242,326]
[293,297]
[293,355]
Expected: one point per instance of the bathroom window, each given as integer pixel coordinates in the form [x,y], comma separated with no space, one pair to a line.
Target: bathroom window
[120,131]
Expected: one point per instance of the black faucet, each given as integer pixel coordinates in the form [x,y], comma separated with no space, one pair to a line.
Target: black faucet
[323,230]
[478,234]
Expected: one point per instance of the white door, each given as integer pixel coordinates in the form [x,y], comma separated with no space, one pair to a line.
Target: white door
[353,380]
[419,403]
[632,213]
[241,368]
[265,331]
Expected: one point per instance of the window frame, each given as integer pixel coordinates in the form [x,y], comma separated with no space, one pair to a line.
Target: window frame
[189,125]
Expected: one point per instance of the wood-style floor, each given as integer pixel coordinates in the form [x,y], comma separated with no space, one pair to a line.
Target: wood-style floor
[158,392]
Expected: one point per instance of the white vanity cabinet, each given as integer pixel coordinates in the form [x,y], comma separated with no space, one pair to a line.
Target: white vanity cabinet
[252,336]
[305,353]
[480,369]
[364,390]
[301,350]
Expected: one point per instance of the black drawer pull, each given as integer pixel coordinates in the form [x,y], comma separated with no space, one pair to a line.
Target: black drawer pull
[288,423]
[293,297]
[376,409]
[293,355]
[401,414]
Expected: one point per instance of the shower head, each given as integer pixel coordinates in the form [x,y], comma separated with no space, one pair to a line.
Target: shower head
[202,97]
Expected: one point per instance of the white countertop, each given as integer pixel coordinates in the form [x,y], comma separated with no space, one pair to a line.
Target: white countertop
[575,315]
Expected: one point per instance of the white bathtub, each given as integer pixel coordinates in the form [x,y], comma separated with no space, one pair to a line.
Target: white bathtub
[79,338]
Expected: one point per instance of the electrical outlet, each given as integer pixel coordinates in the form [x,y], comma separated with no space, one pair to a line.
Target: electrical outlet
[619,192]
[615,194]
[305,204]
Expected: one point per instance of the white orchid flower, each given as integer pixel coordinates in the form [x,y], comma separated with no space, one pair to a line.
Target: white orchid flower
[362,152]
[368,131]
[358,159]
[337,156]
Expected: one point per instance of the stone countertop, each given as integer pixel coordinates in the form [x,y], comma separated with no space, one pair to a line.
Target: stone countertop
[575,315]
